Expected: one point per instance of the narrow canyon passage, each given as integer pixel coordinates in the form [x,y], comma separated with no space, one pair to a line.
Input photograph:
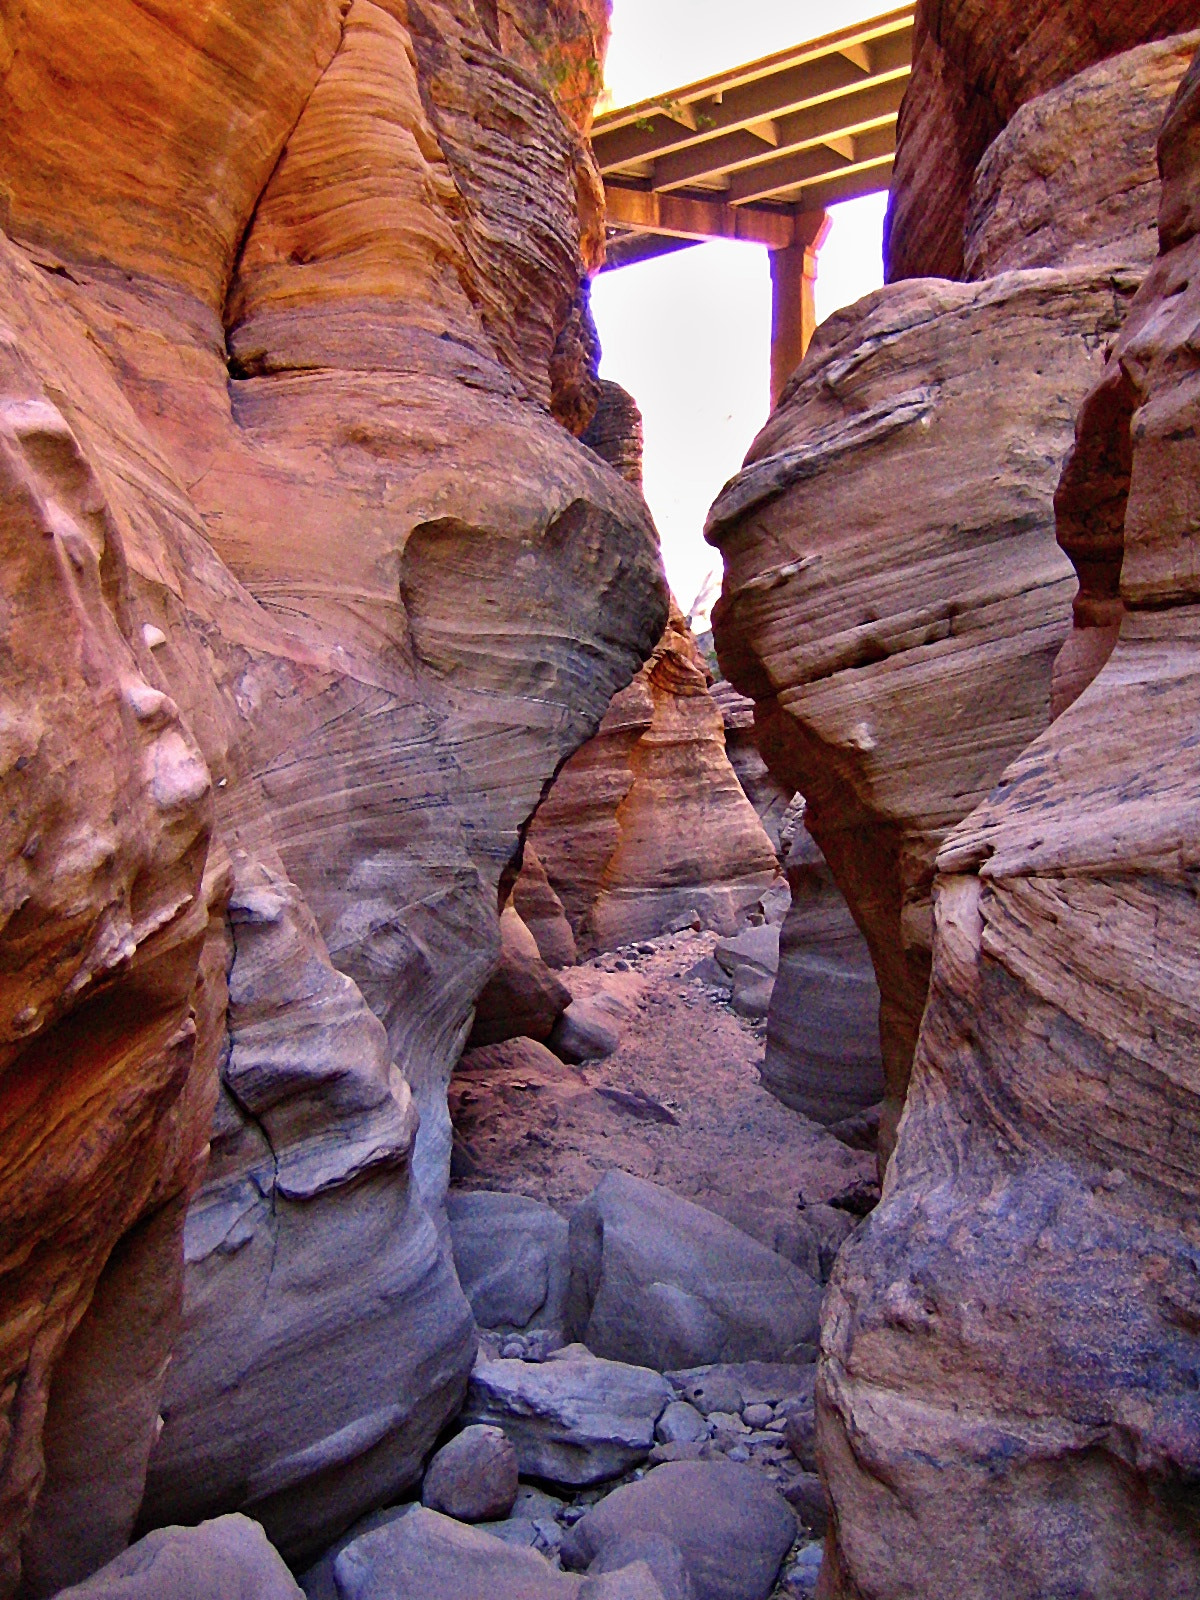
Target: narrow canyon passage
[508,1091]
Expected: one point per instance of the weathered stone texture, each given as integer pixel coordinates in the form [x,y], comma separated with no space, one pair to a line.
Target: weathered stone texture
[1074,176]
[822,1056]
[289,662]
[766,794]
[648,820]
[1008,1397]
[976,62]
[894,597]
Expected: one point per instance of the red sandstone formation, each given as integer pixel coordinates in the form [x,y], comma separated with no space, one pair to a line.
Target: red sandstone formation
[822,1056]
[765,793]
[290,662]
[1074,176]
[648,821]
[976,63]
[1008,1398]
[894,597]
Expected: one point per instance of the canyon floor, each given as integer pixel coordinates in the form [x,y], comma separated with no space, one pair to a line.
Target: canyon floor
[679,1103]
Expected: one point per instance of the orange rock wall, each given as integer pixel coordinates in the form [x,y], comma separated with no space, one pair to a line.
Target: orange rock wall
[1007,1400]
[648,821]
[975,63]
[290,663]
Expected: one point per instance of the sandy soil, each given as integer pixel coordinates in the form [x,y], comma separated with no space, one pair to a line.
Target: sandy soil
[679,1103]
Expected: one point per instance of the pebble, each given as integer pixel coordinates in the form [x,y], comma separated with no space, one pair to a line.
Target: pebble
[758,1416]
[727,1422]
[738,1453]
[680,1423]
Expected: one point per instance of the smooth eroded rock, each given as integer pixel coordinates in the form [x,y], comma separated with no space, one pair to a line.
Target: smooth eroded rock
[648,820]
[227,1559]
[427,1554]
[511,1257]
[657,1280]
[974,65]
[574,1419]
[731,1528]
[474,1477]
[823,1055]
[1074,175]
[1011,1340]
[523,999]
[899,646]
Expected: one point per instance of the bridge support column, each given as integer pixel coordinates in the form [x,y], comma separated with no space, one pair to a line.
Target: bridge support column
[793,303]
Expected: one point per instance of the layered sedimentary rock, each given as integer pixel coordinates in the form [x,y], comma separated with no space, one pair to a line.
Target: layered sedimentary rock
[648,821]
[765,793]
[822,1056]
[540,909]
[975,63]
[894,596]
[1074,176]
[1008,1400]
[615,432]
[290,663]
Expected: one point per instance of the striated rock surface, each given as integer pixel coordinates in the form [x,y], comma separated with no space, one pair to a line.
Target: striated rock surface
[975,63]
[894,596]
[540,909]
[822,1056]
[1074,176]
[765,793]
[290,664]
[227,1559]
[1008,1400]
[648,820]
[615,432]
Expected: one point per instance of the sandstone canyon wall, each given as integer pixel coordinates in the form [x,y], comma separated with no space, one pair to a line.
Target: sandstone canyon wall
[895,598]
[975,63]
[1008,1400]
[308,595]
[649,821]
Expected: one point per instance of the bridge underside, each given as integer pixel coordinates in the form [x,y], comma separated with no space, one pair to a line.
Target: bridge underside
[758,154]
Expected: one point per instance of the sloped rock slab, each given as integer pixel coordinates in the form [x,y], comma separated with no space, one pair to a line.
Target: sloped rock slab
[574,1419]
[511,1256]
[658,1281]
[426,1555]
[731,1528]
[226,1559]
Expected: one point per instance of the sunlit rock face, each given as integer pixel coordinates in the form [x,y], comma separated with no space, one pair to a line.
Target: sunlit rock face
[1074,176]
[308,596]
[976,62]
[894,596]
[648,822]
[1008,1400]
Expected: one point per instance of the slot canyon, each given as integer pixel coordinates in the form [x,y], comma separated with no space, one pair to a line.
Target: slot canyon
[508,1092]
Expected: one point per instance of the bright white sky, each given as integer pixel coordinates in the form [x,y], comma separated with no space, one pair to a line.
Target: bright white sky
[689,335]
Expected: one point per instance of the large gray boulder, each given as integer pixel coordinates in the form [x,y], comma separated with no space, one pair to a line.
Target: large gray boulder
[512,1259]
[426,1556]
[663,1283]
[731,1528]
[430,1557]
[751,958]
[473,1478]
[227,1559]
[574,1419]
